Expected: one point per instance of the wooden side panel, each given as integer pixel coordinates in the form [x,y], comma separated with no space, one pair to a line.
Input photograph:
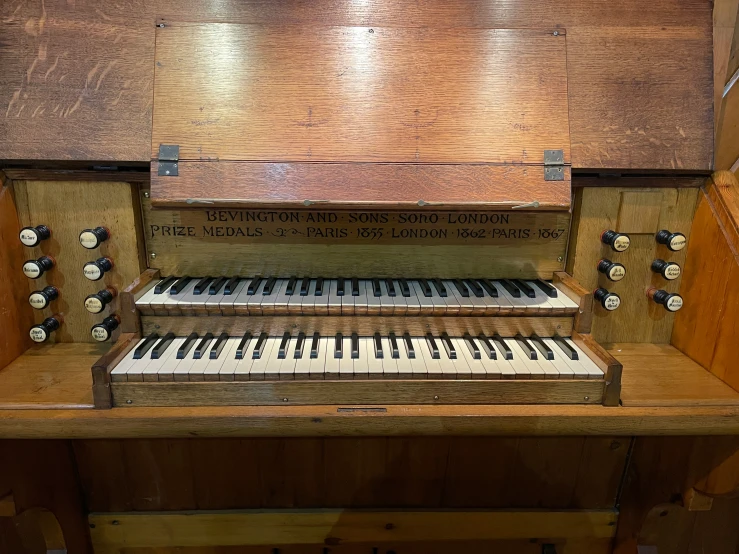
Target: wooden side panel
[16,316]
[396,472]
[77,80]
[67,208]
[623,210]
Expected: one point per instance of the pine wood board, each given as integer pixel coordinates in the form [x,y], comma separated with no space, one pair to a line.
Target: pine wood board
[372,95]
[67,208]
[598,209]
[344,527]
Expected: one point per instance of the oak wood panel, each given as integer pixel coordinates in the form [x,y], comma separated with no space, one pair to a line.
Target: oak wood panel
[727,132]
[372,95]
[102,368]
[346,185]
[16,317]
[77,80]
[638,319]
[67,208]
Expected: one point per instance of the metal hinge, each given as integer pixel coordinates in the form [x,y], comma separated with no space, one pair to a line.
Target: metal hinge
[554,161]
[169,156]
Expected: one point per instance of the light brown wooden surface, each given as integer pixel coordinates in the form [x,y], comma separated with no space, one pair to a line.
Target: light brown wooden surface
[598,209]
[77,80]
[342,185]
[16,316]
[67,208]
[344,527]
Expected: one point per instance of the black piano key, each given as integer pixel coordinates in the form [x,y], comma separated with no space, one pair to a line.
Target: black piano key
[299,344]
[377,341]
[217,285]
[355,286]
[314,345]
[186,346]
[488,347]
[440,288]
[425,287]
[510,287]
[340,286]
[472,345]
[541,346]
[243,345]
[230,287]
[433,348]
[505,350]
[462,288]
[390,287]
[253,287]
[489,287]
[451,352]
[376,290]
[526,347]
[290,289]
[405,290]
[180,285]
[546,288]
[269,286]
[394,346]
[304,286]
[339,346]
[284,345]
[319,286]
[202,346]
[202,285]
[218,346]
[162,286]
[355,346]
[162,346]
[524,287]
[409,345]
[570,352]
[259,347]
[474,287]
[145,346]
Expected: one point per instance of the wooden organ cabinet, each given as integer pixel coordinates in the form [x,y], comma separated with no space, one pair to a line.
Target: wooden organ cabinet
[363,277]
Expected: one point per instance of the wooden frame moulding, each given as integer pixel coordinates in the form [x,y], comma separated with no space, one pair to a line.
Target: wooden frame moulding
[578,294]
[612,368]
[130,320]
[101,394]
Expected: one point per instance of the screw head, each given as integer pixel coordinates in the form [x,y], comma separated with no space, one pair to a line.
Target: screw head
[560,258]
[436,397]
[153,255]
[146,195]
[556,33]
[129,401]
[587,398]
[284,399]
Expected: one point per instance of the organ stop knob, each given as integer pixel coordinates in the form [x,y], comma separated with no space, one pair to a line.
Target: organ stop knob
[39,299]
[617,241]
[92,238]
[614,271]
[94,271]
[42,331]
[95,303]
[609,300]
[673,241]
[33,269]
[32,236]
[104,330]
[668,270]
[670,301]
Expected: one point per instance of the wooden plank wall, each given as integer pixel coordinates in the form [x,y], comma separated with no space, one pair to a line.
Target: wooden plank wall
[632,70]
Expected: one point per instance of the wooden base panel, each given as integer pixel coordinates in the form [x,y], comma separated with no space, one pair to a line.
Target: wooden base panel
[356,393]
[364,325]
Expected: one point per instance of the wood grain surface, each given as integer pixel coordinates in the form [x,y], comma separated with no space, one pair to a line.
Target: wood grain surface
[371,95]
[67,208]
[358,185]
[77,80]
[598,209]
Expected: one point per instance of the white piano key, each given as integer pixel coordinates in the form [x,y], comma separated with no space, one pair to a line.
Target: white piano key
[213,369]
[228,301]
[515,303]
[535,369]
[331,365]
[259,366]
[468,367]
[425,303]
[361,367]
[279,299]
[449,303]
[320,303]
[347,301]
[318,365]
[389,364]
[563,369]
[189,301]
[334,300]
[370,366]
[400,302]
[417,364]
[433,366]
[346,362]
[360,302]
[243,366]
[373,302]
[302,364]
[143,303]
[520,361]
[479,306]
[307,302]
[156,369]
[196,370]
[494,369]
[387,303]
[182,370]
[286,371]
[593,371]
[230,363]
[465,303]
[254,301]
[566,300]
[118,373]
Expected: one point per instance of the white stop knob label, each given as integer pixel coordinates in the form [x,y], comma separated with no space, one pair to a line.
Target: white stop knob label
[88,240]
[672,271]
[100,334]
[92,272]
[29,237]
[37,300]
[93,305]
[677,243]
[38,334]
[674,303]
[612,303]
[621,243]
[31,270]
[616,273]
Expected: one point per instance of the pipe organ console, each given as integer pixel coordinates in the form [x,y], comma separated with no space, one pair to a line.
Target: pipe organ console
[370,218]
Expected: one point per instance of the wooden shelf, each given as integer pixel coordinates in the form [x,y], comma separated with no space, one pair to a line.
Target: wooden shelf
[46,393]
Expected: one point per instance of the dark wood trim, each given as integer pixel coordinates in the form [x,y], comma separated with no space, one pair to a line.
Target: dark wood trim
[641,180]
[101,392]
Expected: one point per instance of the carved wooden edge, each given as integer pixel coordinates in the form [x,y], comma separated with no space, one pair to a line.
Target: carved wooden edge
[722,194]
[611,367]
[577,293]
[7,505]
[696,501]
[101,394]
[130,321]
